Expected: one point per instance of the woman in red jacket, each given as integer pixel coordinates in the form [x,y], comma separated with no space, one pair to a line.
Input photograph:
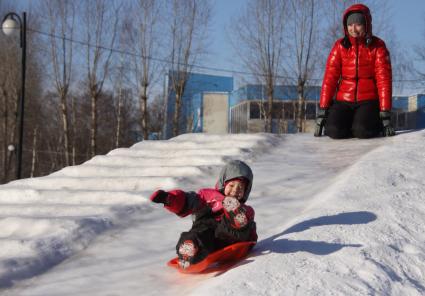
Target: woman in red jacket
[355,100]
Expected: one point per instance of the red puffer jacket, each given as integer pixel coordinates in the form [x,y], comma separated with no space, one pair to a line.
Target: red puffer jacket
[358,69]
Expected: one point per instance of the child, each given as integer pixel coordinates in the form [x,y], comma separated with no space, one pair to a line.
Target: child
[220,215]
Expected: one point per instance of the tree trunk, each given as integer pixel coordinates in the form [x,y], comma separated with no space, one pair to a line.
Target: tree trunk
[176,121]
[118,129]
[144,112]
[270,108]
[34,153]
[64,111]
[93,130]
[74,131]
[13,138]
[100,20]
[301,103]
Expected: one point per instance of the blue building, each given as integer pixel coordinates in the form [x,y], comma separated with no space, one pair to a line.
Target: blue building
[418,102]
[192,100]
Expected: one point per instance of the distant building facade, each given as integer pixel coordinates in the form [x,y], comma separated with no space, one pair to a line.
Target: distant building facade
[248,105]
[210,105]
[409,112]
[204,104]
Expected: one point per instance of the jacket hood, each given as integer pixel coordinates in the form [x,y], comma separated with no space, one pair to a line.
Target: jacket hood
[368,17]
[235,169]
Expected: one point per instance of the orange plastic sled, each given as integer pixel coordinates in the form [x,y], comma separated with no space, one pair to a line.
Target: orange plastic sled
[218,260]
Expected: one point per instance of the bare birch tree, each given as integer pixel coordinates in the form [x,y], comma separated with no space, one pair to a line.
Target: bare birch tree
[34,152]
[188,23]
[259,41]
[302,31]
[144,36]
[119,103]
[124,104]
[61,22]
[100,22]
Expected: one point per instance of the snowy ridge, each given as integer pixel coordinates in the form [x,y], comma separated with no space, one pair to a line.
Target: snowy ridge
[45,220]
[361,235]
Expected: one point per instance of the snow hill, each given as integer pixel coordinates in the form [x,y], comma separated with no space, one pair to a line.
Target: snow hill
[334,218]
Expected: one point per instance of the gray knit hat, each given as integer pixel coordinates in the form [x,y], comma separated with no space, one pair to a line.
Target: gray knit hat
[356,18]
[236,169]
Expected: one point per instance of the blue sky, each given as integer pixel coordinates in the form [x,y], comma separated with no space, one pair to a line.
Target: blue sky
[407,21]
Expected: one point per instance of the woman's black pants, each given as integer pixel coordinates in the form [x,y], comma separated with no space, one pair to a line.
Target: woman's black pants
[359,120]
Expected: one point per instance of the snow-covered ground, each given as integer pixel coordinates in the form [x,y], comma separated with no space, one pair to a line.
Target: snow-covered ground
[334,218]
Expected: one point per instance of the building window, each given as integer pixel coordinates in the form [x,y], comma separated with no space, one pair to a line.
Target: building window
[288,109]
[401,120]
[310,111]
[277,110]
[254,110]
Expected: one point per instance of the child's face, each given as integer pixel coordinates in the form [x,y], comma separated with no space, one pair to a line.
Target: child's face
[235,188]
[356,30]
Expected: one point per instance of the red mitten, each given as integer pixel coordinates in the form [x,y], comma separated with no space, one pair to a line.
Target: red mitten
[234,212]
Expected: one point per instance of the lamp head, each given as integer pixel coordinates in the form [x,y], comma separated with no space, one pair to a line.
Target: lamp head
[10,26]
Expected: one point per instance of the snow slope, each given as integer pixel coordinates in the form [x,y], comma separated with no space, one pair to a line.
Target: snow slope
[45,220]
[334,218]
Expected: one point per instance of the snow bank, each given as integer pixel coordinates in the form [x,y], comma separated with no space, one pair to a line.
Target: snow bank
[362,235]
[45,220]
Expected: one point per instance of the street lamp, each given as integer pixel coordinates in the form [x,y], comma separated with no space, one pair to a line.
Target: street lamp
[11,23]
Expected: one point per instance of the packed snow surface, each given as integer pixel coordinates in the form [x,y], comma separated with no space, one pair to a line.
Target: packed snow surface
[334,217]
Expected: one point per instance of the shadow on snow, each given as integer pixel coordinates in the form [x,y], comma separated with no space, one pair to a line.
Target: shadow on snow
[281,245]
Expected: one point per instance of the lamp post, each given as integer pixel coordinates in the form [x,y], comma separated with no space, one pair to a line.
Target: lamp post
[11,23]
